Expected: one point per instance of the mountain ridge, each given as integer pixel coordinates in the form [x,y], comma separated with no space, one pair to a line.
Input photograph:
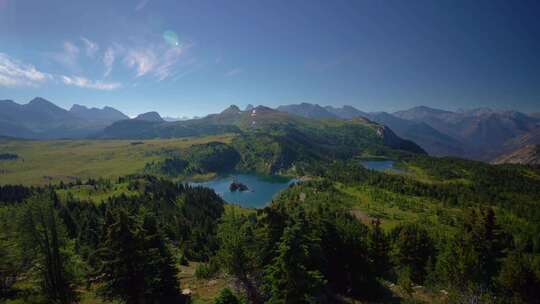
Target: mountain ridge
[526,155]
[42,119]
[480,133]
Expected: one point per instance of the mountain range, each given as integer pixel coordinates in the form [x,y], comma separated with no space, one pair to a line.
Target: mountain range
[482,134]
[42,119]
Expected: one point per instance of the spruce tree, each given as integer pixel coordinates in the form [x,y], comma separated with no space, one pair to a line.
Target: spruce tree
[44,244]
[379,247]
[292,277]
[162,284]
[238,253]
[137,266]
[122,259]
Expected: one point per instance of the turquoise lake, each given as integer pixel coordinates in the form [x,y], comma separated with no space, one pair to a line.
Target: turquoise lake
[261,188]
[381,165]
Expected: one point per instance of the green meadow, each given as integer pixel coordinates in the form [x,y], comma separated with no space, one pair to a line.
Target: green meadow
[52,161]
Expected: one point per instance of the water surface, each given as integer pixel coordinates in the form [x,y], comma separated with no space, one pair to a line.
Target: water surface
[261,188]
[381,165]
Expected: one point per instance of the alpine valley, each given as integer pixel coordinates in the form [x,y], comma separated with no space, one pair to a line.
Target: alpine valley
[298,204]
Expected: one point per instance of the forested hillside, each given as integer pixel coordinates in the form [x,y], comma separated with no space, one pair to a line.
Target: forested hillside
[444,231]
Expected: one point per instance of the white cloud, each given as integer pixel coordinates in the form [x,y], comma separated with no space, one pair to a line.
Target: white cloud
[144,60]
[70,49]
[141,5]
[15,73]
[160,62]
[90,46]
[170,58]
[89,84]
[68,56]
[234,72]
[108,60]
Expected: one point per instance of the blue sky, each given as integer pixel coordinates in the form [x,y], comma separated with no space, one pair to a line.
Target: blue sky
[197,57]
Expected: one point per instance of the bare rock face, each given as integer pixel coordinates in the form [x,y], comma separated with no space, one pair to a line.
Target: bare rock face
[150,116]
[391,140]
[527,155]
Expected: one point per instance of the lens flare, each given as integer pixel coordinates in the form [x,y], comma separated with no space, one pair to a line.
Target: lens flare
[171,38]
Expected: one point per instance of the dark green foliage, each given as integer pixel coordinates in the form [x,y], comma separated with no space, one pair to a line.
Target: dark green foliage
[412,248]
[268,153]
[187,215]
[8,156]
[471,257]
[213,157]
[226,296]
[44,245]
[160,273]
[140,129]
[171,166]
[479,240]
[321,250]
[379,248]
[11,263]
[513,189]
[346,262]
[238,252]
[10,194]
[520,282]
[122,259]
[136,265]
[293,277]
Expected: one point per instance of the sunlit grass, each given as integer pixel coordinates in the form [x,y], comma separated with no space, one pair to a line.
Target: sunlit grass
[43,162]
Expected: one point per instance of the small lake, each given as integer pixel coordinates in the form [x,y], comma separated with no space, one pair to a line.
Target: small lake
[381,165]
[261,188]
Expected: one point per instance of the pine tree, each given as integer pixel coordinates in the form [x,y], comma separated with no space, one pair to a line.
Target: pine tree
[379,247]
[518,279]
[412,247]
[238,253]
[226,296]
[122,259]
[44,243]
[160,271]
[137,266]
[292,278]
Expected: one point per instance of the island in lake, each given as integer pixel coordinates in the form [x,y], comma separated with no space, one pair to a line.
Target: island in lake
[236,185]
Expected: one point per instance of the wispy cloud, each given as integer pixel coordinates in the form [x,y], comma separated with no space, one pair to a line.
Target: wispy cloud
[15,73]
[108,60]
[91,47]
[141,5]
[160,62]
[170,58]
[143,60]
[234,72]
[68,56]
[89,84]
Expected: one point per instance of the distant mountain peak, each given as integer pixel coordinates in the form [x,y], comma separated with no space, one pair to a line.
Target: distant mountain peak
[232,109]
[428,109]
[307,110]
[39,100]
[150,116]
[77,107]
[42,103]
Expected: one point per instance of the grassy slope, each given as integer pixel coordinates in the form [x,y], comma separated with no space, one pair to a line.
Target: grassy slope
[41,162]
